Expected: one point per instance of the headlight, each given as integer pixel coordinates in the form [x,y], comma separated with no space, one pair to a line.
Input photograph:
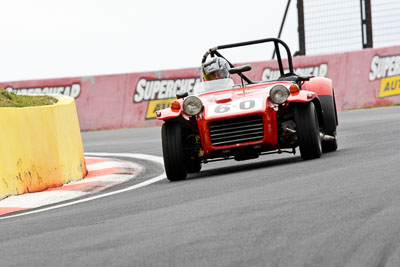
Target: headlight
[279,94]
[192,105]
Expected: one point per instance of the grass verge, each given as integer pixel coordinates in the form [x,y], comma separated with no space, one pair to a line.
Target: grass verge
[13,100]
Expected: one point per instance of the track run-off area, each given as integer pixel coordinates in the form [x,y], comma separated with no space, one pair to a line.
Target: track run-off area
[340,210]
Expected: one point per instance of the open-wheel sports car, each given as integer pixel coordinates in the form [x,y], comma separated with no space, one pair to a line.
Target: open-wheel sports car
[222,120]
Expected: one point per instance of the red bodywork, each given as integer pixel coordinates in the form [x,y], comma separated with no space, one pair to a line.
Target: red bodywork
[232,103]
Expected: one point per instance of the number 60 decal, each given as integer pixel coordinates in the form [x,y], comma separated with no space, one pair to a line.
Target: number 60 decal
[243,105]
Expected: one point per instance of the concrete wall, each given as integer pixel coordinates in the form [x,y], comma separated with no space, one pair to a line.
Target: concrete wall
[369,77]
[40,147]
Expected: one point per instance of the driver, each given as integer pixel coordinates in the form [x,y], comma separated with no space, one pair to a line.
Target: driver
[215,68]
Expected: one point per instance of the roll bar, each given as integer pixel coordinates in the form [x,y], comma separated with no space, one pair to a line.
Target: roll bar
[213,51]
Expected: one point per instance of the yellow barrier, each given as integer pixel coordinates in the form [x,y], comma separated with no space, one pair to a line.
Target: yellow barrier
[40,147]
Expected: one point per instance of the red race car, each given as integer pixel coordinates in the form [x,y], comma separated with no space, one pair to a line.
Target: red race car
[223,120]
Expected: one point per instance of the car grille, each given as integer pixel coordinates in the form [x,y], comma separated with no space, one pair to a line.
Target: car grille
[236,130]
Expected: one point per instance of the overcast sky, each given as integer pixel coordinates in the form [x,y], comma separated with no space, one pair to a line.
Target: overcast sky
[58,38]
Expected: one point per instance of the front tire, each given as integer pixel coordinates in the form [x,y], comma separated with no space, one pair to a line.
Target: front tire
[193,166]
[172,146]
[307,128]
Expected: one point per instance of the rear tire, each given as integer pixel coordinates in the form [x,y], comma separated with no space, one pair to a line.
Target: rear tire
[331,145]
[307,128]
[330,123]
[172,146]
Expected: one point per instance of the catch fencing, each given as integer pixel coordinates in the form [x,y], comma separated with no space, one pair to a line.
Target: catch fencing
[347,25]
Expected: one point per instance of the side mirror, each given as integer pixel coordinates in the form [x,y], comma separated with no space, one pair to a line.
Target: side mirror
[240,69]
[182,95]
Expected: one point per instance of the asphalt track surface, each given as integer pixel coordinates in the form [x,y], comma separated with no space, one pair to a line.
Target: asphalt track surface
[340,210]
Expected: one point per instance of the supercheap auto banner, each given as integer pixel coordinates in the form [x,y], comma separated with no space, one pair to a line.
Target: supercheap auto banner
[370,77]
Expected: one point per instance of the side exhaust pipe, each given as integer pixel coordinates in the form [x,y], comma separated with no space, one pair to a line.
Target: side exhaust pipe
[326,137]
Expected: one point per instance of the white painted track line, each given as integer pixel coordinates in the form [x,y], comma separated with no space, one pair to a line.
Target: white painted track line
[137,186]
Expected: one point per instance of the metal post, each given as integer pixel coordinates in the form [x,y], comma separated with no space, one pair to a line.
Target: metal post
[302,38]
[283,23]
[366,23]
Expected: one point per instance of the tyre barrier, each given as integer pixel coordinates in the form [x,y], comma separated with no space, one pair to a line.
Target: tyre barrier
[40,147]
